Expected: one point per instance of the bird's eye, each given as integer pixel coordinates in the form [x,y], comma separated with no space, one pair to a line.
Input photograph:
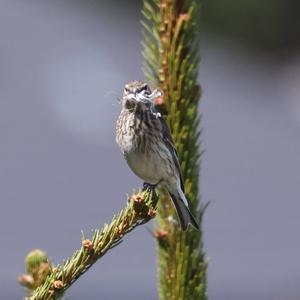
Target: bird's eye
[142,88]
[126,89]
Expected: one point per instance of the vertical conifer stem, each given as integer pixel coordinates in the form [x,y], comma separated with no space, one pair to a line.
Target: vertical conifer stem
[171,32]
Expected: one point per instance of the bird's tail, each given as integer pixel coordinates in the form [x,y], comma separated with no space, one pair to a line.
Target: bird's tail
[183,212]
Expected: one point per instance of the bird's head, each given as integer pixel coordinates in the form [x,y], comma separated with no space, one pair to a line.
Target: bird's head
[138,93]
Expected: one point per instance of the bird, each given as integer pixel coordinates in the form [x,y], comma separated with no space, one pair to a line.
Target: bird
[148,147]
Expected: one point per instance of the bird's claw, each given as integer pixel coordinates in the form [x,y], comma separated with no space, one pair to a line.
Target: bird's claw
[148,186]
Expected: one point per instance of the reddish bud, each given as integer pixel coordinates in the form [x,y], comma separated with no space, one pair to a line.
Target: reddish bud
[87,244]
[152,213]
[119,230]
[138,198]
[184,16]
[58,284]
[160,234]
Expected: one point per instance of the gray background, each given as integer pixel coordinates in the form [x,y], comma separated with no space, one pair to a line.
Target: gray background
[63,65]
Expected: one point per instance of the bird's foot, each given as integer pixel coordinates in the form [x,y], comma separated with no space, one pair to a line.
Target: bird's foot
[148,186]
[151,188]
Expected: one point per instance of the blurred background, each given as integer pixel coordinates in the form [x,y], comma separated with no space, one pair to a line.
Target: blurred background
[63,64]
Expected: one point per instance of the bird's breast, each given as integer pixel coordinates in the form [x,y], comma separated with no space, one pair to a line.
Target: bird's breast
[126,137]
[140,146]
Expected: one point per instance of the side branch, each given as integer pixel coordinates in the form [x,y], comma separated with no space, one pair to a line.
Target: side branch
[140,209]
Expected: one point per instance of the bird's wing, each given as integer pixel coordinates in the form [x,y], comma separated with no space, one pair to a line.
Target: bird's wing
[167,137]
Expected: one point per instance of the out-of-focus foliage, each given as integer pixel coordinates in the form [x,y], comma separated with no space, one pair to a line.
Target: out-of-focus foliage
[264,24]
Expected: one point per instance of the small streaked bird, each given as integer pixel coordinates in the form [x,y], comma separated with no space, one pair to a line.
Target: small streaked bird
[147,145]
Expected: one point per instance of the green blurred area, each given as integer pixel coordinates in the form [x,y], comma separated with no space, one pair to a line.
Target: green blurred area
[263,24]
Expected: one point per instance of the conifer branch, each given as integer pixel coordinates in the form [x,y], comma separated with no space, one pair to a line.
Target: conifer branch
[140,209]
